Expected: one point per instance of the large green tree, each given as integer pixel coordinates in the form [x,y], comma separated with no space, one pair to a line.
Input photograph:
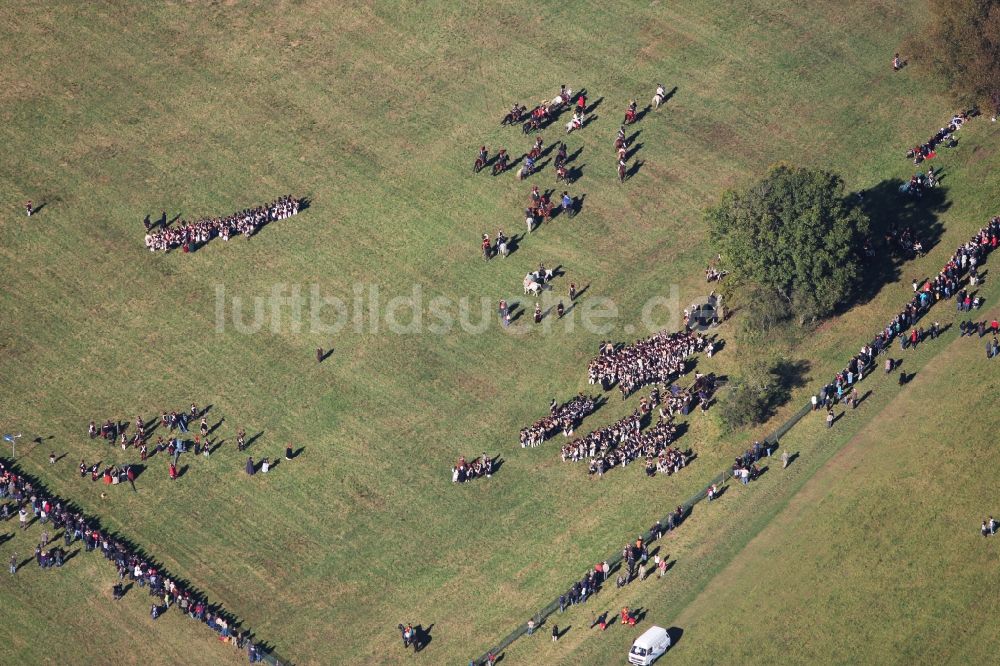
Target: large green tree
[793,237]
[962,43]
[761,387]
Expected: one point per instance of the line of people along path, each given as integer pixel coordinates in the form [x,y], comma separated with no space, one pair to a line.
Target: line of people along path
[33,502]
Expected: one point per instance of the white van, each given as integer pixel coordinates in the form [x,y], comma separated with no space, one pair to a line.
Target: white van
[649,646]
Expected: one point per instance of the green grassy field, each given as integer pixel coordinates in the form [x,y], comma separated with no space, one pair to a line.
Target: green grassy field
[865,550]
[374,113]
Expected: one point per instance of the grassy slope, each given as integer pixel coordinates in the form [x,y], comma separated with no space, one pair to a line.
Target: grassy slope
[879,557]
[374,113]
[65,615]
[865,549]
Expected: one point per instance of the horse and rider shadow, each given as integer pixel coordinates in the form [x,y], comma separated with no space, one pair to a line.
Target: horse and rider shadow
[634,169]
[514,242]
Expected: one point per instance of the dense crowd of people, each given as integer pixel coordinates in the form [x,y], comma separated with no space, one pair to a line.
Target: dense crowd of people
[944,136]
[680,400]
[28,495]
[948,283]
[565,417]
[602,440]
[624,441]
[191,235]
[656,359]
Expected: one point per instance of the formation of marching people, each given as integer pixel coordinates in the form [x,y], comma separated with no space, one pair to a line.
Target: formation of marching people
[944,136]
[464,470]
[602,440]
[190,235]
[656,359]
[565,417]
[680,400]
[965,262]
[28,495]
[624,441]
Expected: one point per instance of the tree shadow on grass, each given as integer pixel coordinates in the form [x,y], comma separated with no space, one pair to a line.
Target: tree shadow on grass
[892,213]
[787,375]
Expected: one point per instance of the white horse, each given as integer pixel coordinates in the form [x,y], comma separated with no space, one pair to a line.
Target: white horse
[575,123]
[502,249]
[532,286]
[543,277]
[561,99]
[658,98]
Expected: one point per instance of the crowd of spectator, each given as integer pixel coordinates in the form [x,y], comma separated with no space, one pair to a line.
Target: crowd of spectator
[948,283]
[944,136]
[29,495]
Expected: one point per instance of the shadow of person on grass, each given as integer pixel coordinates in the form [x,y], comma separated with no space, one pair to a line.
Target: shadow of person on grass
[421,637]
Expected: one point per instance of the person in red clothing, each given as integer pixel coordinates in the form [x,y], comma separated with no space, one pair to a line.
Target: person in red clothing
[173,471]
[995,326]
[581,103]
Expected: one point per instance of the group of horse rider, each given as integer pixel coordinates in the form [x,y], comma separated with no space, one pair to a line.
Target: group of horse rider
[540,207]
